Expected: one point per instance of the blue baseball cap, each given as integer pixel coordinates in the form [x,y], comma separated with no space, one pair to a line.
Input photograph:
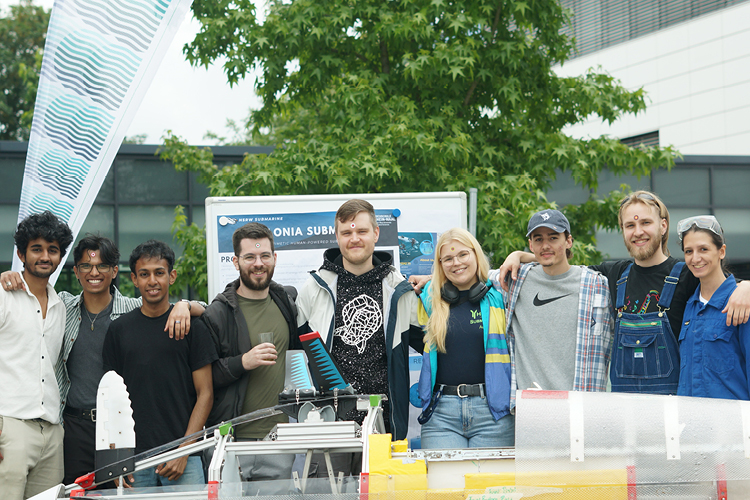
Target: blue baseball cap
[553,219]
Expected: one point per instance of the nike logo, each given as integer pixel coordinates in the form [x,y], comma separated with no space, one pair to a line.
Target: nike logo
[541,302]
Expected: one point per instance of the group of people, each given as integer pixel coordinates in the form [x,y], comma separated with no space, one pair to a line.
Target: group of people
[186,365]
[483,334]
[652,324]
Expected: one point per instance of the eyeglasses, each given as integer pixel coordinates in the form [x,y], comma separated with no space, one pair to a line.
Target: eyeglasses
[639,196]
[461,258]
[86,268]
[708,222]
[250,258]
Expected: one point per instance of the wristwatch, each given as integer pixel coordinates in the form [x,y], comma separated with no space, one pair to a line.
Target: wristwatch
[188,303]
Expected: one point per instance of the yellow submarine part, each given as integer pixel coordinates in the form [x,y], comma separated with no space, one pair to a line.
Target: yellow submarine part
[388,474]
[610,484]
[409,480]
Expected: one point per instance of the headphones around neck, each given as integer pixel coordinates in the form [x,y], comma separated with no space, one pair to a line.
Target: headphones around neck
[450,293]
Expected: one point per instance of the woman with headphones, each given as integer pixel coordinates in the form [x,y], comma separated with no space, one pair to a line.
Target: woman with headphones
[464,384]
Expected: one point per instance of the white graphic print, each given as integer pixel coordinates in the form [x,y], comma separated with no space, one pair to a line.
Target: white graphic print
[361,318]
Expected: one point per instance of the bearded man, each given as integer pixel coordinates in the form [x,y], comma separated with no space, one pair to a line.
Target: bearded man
[249,374]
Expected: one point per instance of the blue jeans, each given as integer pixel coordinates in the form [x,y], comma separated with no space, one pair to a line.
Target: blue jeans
[466,423]
[193,474]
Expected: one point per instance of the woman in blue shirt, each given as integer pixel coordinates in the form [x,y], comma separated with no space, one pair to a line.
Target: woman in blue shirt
[714,361]
[464,384]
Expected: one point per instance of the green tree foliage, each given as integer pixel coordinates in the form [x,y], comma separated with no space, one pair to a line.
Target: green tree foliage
[22,33]
[363,96]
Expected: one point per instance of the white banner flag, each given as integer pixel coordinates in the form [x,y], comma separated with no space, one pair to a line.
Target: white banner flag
[100,57]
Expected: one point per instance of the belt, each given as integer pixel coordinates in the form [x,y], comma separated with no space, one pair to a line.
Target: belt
[463,390]
[85,414]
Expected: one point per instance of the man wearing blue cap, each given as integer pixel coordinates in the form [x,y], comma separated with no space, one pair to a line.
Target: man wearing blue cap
[559,318]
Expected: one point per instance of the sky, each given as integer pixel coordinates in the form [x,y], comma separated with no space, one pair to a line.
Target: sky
[188,101]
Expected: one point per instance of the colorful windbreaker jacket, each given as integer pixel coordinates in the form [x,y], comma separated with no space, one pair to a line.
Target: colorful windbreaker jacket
[496,360]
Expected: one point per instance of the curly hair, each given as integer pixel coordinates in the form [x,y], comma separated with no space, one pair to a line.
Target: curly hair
[152,249]
[43,225]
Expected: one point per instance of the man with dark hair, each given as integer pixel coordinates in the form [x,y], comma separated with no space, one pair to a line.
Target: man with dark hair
[169,382]
[88,316]
[366,314]
[31,335]
[559,318]
[249,374]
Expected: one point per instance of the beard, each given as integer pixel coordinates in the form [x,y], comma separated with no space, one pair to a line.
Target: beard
[255,284]
[643,253]
[39,274]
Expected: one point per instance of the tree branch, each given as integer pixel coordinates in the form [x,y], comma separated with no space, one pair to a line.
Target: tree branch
[473,87]
[385,65]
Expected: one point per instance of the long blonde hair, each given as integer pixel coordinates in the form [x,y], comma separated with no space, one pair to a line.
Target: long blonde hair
[437,326]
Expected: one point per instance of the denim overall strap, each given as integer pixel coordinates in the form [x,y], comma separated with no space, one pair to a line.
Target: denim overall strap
[670,284]
[646,355]
[621,284]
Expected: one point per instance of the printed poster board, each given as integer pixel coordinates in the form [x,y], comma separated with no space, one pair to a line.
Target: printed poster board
[303,228]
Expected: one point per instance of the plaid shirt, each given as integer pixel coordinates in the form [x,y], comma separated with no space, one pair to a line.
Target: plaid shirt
[120,306]
[594,336]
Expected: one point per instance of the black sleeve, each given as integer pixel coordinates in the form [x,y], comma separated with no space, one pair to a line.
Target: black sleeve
[604,268]
[202,347]
[291,296]
[109,351]
[227,368]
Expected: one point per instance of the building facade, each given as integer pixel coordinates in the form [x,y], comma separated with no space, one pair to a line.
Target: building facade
[692,58]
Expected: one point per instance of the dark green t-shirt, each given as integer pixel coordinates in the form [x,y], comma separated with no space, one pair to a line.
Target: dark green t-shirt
[266,382]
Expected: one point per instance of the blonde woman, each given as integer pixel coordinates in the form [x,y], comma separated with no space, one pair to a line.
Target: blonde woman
[464,384]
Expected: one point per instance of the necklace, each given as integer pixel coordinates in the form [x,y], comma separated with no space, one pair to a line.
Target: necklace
[89,316]
[83,306]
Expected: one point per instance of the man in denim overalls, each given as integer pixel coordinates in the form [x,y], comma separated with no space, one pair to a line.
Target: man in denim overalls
[649,296]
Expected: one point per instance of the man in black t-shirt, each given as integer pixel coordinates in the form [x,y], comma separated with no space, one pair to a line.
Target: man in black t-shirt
[169,383]
[644,220]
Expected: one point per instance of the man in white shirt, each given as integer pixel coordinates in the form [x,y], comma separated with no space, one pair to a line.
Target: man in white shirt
[32,323]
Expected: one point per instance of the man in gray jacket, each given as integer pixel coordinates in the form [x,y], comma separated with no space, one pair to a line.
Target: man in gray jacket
[249,374]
